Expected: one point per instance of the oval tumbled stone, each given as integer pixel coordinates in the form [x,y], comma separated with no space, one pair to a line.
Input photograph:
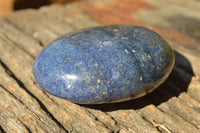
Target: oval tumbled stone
[104,64]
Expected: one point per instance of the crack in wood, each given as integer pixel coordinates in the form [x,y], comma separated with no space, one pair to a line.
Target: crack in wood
[160,125]
[87,111]
[175,113]
[41,44]
[95,118]
[12,95]
[114,121]
[147,120]
[2,130]
[29,130]
[39,102]
[37,117]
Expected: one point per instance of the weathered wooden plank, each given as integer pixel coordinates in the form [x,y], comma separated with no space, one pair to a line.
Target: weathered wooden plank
[190,101]
[166,123]
[193,89]
[24,41]
[179,108]
[28,101]
[105,119]
[20,114]
[58,24]
[132,120]
[77,20]
[38,25]
[66,115]
[24,33]
[8,120]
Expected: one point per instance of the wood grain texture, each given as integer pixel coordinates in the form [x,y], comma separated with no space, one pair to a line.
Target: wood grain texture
[173,107]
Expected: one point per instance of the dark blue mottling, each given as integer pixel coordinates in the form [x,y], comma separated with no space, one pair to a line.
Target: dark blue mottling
[104,64]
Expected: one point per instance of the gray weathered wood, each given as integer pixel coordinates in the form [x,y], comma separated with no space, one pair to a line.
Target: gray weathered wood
[173,107]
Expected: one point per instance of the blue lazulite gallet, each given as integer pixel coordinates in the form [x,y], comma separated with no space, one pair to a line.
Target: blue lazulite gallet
[104,64]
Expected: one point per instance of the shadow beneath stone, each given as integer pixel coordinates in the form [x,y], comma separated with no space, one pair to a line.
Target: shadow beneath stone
[177,82]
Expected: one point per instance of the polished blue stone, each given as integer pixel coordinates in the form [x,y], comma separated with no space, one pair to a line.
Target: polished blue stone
[104,64]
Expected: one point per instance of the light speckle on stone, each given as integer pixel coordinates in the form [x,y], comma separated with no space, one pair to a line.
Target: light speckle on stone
[126,51]
[98,81]
[141,77]
[149,56]
[133,50]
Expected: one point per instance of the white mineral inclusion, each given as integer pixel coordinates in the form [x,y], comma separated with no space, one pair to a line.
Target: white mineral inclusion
[107,43]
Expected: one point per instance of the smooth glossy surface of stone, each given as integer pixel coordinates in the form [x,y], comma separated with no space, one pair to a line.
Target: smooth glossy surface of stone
[104,64]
